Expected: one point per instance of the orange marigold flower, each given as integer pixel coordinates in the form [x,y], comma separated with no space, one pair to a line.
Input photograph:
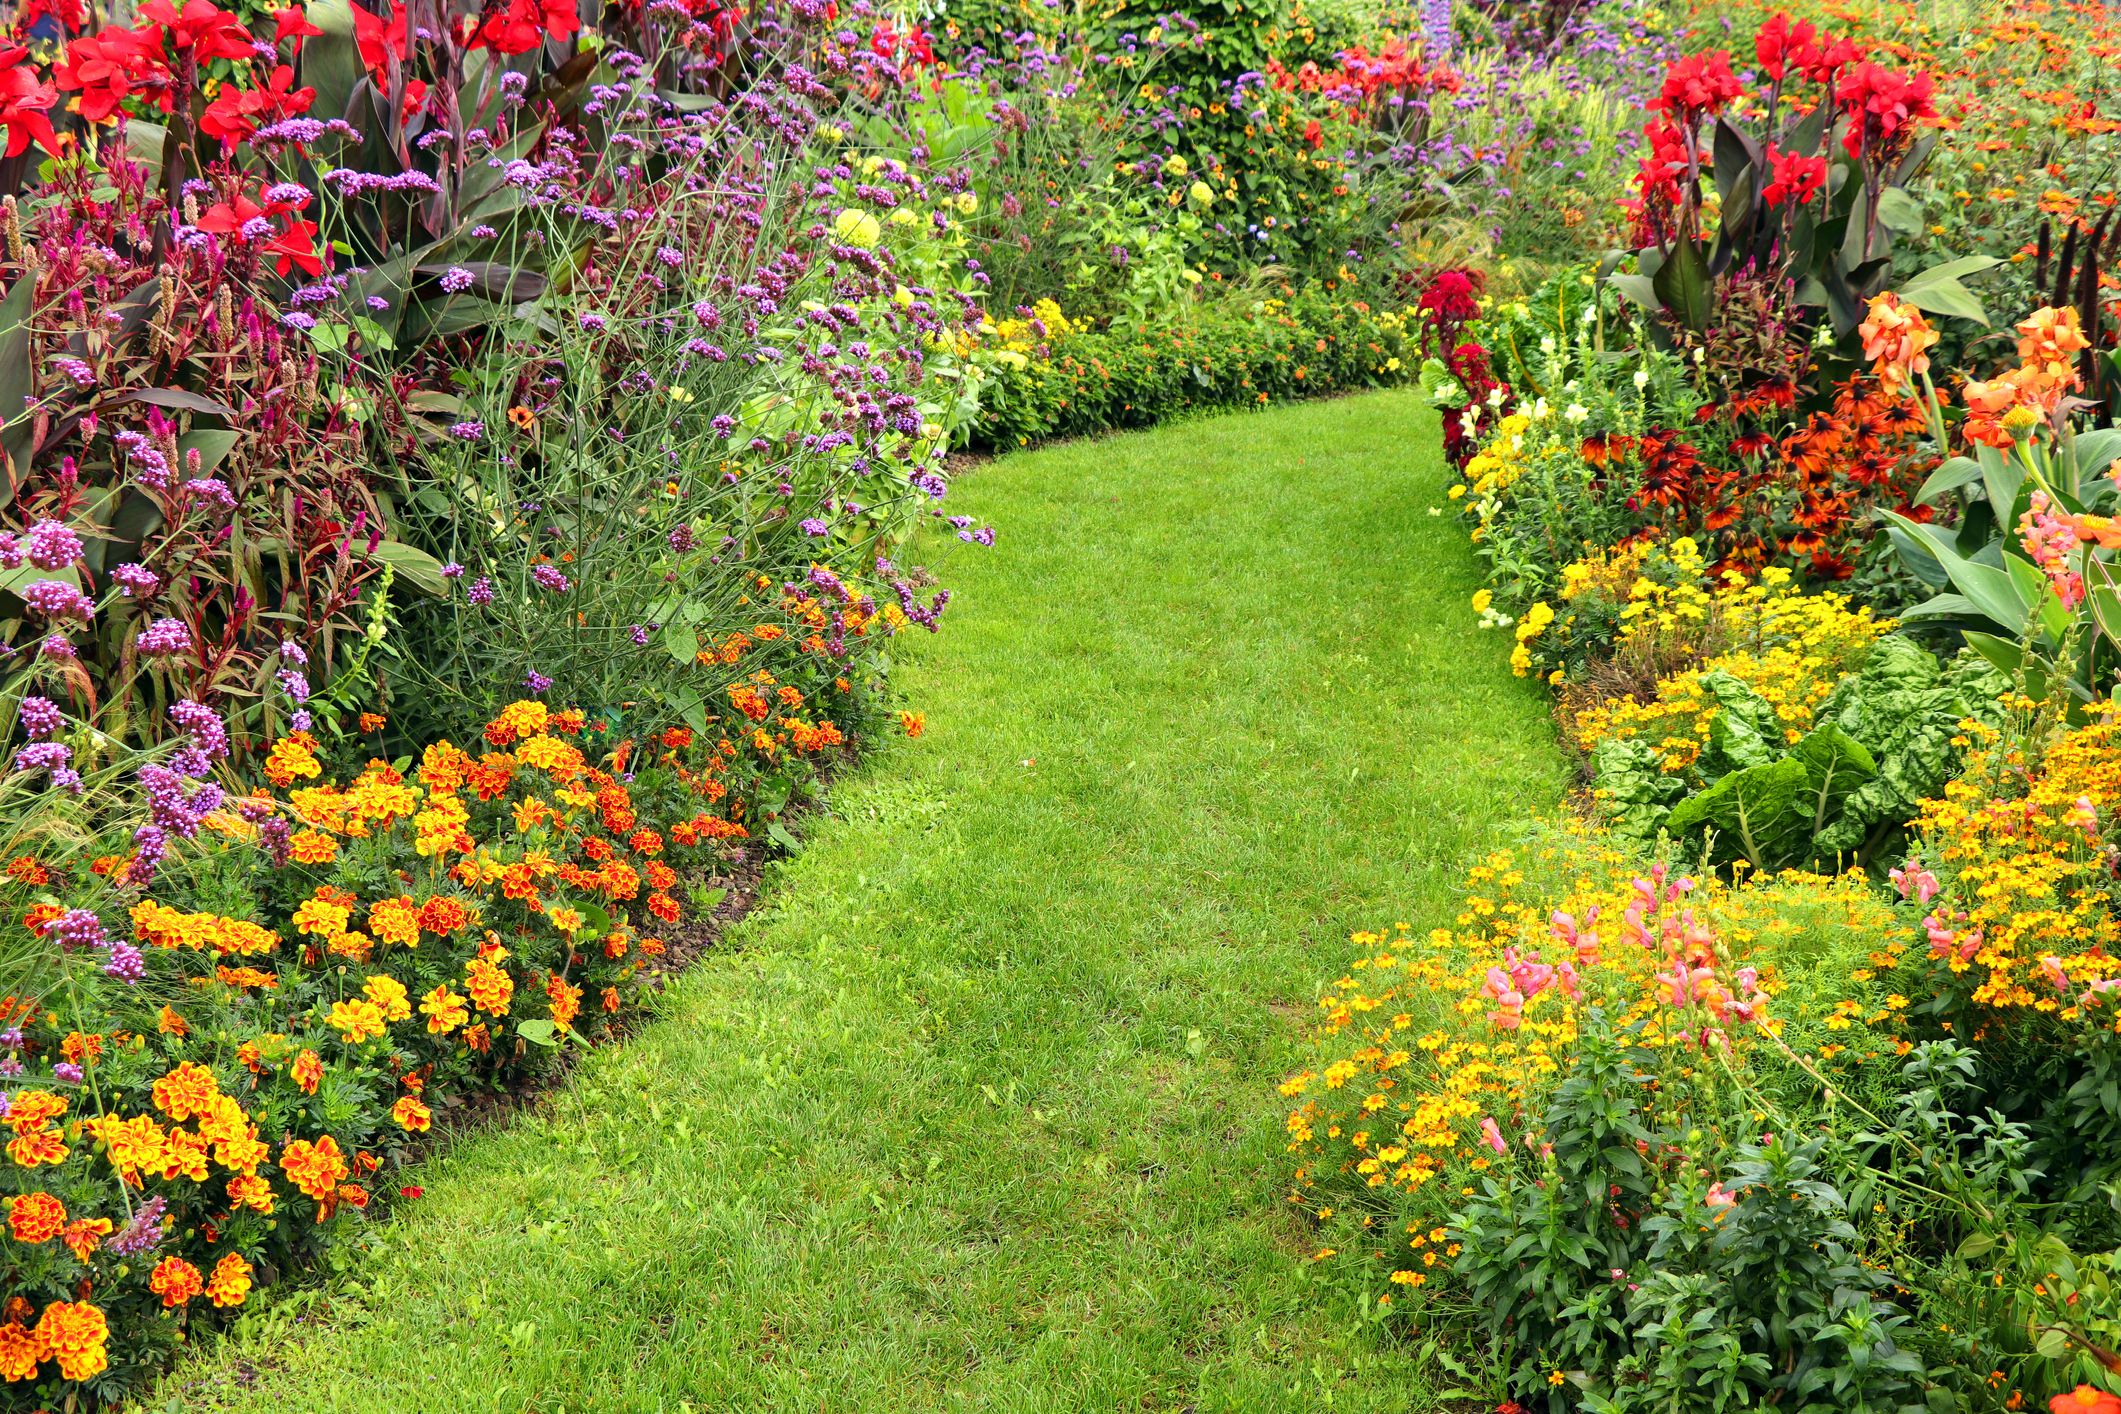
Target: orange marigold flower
[84,1235]
[389,996]
[250,1191]
[443,916]
[490,987]
[565,1000]
[411,1115]
[313,847]
[39,1146]
[395,920]
[315,1168]
[444,1009]
[186,1091]
[21,1351]
[35,1217]
[169,1023]
[230,1283]
[176,1281]
[357,1021]
[74,1333]
[307,1071]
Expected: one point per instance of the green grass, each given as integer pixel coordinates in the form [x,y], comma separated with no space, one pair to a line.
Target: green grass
[979,1112]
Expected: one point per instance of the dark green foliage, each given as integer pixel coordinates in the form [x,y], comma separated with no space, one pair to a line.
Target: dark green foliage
[1235,352]
[1879,745]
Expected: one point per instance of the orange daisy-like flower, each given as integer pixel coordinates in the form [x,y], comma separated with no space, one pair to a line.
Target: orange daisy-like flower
[307,1071]
[411,1115]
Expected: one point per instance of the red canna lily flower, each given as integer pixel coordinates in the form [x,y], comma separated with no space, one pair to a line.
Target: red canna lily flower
[236,113]
[112,66]
[293,23]
[202,27]
[25,99]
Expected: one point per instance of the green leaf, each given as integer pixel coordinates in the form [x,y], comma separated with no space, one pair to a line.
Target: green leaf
[1760,813]
[418,568]
[538,1032]
[1989,589]
[1957,472]
[1938,290]
[1836,765]
[779,834]
[1633,789]
[15,378]
[1637,288]
[1684,285]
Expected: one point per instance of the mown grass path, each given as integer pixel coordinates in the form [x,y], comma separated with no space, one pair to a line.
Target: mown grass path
[978,1113]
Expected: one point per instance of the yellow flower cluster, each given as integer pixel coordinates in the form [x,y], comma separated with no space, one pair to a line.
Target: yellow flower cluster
[1430,1046]
[2028,913]
[1501,458]
[1789,647]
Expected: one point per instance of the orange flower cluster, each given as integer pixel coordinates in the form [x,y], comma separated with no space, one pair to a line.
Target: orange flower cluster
[2003,411]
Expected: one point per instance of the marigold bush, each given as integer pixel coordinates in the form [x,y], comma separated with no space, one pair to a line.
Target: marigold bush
[213,1073]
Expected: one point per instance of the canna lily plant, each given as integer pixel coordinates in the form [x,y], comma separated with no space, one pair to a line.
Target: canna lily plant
[2026,568]
[1804,179]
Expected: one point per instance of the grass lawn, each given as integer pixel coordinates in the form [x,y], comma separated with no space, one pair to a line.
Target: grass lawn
[979,1113]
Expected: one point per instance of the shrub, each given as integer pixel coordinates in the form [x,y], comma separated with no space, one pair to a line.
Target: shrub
[1238,352]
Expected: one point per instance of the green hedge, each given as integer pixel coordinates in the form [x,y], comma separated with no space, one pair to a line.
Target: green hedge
[1232,353]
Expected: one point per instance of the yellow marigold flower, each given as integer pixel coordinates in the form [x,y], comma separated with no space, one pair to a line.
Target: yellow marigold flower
[444,1009]
[357,1021]
[389,996]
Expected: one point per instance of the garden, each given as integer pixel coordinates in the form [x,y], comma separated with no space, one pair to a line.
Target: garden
[1251,705]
